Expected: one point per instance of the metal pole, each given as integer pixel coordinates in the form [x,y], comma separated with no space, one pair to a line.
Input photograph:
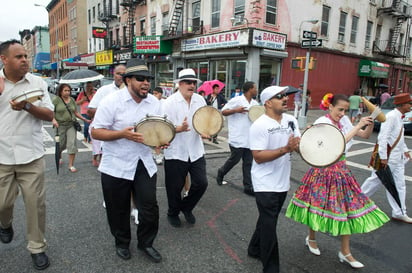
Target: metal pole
[57,48]
[302,117]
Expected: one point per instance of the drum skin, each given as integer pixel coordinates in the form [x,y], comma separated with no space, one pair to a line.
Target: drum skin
[30,96]
[157,131]
[322,145]
[255,112]
[207,120]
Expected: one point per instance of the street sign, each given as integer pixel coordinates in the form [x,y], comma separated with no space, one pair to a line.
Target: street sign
[310,35]
[311,43]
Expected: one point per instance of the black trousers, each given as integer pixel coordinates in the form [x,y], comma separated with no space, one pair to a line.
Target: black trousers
[117,193]
[175,175]
[264,242]
[235,155]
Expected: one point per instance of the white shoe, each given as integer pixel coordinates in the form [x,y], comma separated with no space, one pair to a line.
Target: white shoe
[354,264]
[314,251]
[185,194]
[104,204]
[135,214]
[403,218]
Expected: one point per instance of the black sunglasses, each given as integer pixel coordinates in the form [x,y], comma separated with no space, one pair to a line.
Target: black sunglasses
[279,96]
[188,82]
[142,78]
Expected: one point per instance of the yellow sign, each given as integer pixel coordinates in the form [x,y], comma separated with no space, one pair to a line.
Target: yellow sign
[104,57]
[60,44]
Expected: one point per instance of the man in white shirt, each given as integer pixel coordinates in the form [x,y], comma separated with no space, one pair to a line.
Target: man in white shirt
[273,137]
[239,123]
[127,165]
[22,163]
[186,152]
[389,132]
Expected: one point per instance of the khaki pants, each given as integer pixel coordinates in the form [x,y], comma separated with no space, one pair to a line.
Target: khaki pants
[29,178]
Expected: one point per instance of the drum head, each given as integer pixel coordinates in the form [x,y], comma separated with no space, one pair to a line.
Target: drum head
[157,131]
[255,112]
[322,145]
[30,96]
[207,120]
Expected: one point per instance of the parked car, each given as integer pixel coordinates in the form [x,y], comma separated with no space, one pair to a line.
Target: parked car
[102,82]
[51,85]
[387,107]
[76,89]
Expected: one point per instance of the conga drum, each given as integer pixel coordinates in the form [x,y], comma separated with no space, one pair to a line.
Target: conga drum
[255,112]
[30,96]
[322,145]
[157,131]
[207,120]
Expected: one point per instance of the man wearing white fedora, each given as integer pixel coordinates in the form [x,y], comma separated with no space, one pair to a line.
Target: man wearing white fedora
[186,152]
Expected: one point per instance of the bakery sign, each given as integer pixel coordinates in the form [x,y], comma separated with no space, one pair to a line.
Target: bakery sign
[218,40]
[269,40]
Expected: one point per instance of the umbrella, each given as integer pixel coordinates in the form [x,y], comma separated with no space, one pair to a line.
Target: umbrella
[207,86]
[81,76]
[57,150]
[386,177]
[292,90]
[382,85]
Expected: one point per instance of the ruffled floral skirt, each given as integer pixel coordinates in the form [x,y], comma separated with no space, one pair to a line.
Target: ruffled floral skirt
[330,200]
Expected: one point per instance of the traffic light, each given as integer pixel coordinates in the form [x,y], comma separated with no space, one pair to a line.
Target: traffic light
[299,63]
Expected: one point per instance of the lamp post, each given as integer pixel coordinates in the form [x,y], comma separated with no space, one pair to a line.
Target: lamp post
[302,117]
[56,55]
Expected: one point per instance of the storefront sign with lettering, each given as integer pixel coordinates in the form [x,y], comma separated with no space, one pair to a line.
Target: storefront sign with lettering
[270,40]
[218,40]
[104,57]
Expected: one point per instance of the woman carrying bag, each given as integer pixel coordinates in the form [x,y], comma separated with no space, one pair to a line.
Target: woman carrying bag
[65,114]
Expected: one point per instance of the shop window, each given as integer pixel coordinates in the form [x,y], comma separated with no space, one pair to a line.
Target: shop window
[325,21]
[271,11]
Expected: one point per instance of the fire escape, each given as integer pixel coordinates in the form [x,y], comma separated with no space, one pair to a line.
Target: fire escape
[400,11]
[176,17]
[130,6]
[106,16]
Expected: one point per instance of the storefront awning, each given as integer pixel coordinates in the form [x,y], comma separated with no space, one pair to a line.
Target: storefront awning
[373,69]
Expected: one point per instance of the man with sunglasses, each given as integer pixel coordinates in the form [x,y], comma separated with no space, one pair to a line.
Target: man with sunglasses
[273,137]
[239,123]
[127,166]
[186,152]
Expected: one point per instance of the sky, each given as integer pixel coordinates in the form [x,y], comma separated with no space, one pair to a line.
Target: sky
[17,15]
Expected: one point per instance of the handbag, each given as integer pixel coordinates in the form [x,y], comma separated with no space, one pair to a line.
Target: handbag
[76,124]
[375,161]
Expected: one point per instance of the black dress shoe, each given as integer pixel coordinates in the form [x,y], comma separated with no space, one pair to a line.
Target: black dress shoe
[190,218]
[6,234]
[253,255]
[152,253]
[249,192]
[123,253]
[174,220]
[40,261]
[219,177]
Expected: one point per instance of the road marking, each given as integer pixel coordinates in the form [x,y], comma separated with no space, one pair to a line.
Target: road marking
[47,138]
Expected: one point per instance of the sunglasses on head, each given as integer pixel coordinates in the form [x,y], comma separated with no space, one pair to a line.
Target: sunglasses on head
[189,82]
[279,96]
[142,78]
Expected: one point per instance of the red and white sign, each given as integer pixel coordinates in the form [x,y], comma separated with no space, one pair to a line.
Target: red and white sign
[270,40]
[218,40]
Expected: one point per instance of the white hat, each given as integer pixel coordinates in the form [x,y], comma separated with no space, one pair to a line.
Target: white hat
[270,92]
[187,74]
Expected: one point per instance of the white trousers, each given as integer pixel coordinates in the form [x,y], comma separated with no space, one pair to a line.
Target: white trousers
[371,184]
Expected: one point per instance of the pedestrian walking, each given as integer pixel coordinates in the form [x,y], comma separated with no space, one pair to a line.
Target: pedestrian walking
[355,107]
[239,123]
[329,199]
[22,164]
[273,137]
[83,100]
[392,133]
[186,152]
[125,173]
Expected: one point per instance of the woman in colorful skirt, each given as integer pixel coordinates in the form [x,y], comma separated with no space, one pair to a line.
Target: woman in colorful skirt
[330,199]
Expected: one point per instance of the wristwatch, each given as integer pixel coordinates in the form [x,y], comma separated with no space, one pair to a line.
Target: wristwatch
[27,106]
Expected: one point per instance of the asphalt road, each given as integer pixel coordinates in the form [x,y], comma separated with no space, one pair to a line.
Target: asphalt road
[80,241]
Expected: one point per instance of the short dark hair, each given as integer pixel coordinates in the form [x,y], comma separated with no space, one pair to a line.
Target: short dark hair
[339,97]
[247,86]
[215,85]
[158,89]
[5,45]
[61,87]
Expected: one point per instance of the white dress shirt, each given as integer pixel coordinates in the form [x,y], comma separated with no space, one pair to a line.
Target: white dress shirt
[116,112]
[389,132]
[101,93]
[267,134]
[239,123]
[21,135]
[185,145]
